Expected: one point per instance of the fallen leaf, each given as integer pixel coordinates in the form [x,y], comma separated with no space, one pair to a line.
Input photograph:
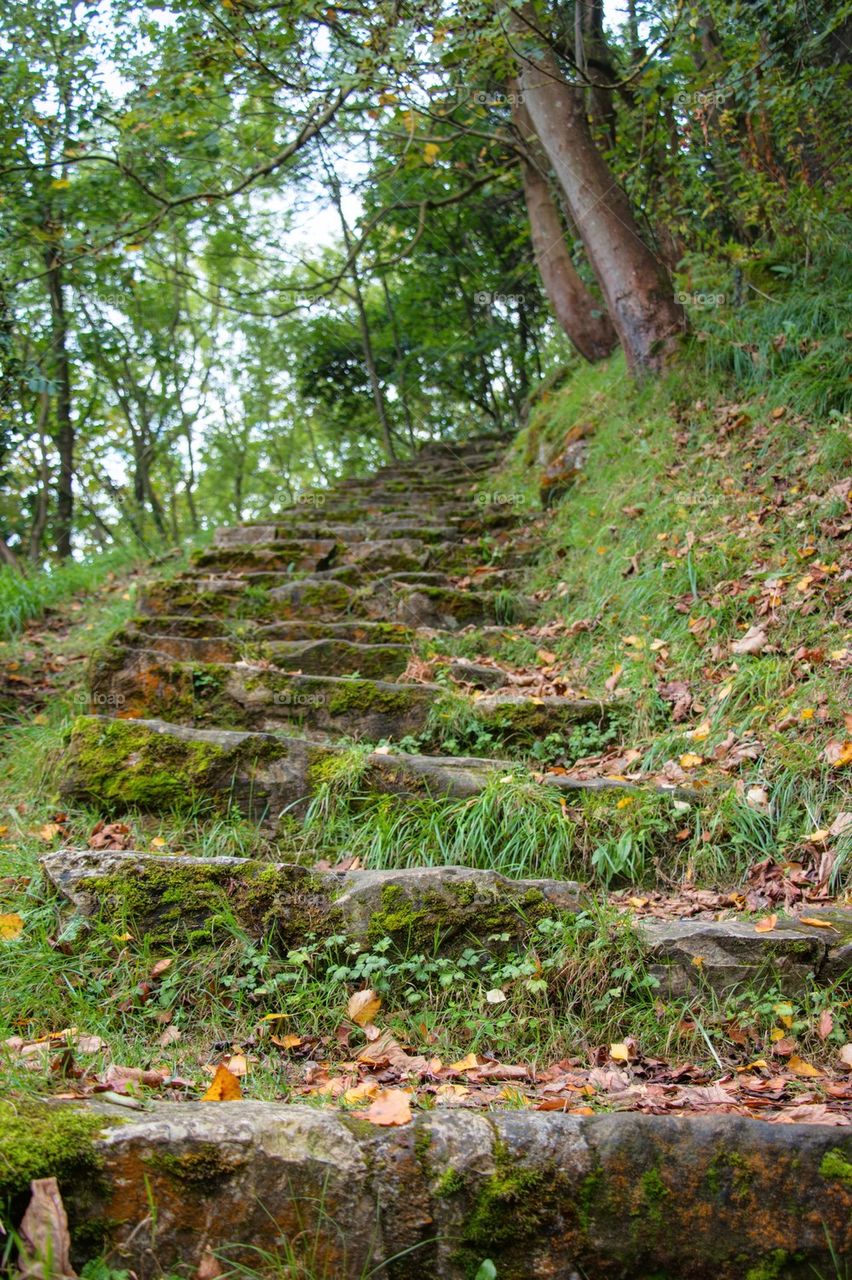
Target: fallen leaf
[11,926]
[817,922]
[390,1107]
[689,760]
[755,640]
[825,1024]
[495,996]
[468,1063]
[619,1052]
[363,1006]
[766,925]
[45,1240]
[845,1057]
[171,1035]
[225,1087]
[209,1267]
[801,1068]
[160,968]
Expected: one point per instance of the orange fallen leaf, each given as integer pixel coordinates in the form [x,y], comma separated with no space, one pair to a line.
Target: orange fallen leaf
[767,924]
[363,1006]
[290,1041]
[817,922]
[389,1107]
[225,1087]
[689,760]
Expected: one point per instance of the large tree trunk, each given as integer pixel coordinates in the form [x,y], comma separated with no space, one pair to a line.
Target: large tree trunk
[578,312]
[635,285]
[64,424]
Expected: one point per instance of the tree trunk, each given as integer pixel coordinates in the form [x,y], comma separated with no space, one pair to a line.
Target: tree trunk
[64,424]
[579,314]
[635,285]
[42,503]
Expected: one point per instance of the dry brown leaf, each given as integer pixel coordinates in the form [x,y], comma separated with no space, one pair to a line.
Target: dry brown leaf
[45,1240]
[171,1035]
[767,924]
[225,1087]
[845,1057]
[755,640]
[209,1267]
[817,922]
[363,1006]
[825,1024]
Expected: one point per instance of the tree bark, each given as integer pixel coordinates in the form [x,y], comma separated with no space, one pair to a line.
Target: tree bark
[42,503]
[64,423]
[580,315]
[634,283]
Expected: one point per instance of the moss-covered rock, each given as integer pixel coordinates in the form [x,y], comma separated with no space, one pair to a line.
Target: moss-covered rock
[45,1140]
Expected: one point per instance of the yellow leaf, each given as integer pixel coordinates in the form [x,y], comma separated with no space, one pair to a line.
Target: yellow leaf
[430,152]
[225,1087]
[817,922]
[624,802]
[363,1006]
[689,760]
[801,1068]
[40,719]
[698,961]
[637,642]
[700,732]
[290,1041]
[11,926]
[767,924]
[819,837]
[158,843]
[777,1033]
[49,831]
[59,184]
[468,1063]
[619,1052]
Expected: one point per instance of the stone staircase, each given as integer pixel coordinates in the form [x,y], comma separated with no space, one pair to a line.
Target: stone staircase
[237,684]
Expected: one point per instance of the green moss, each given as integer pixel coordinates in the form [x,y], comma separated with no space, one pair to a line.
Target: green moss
[201,1167]
[126,764]
[40,1140]
[453,914]
[512,1206]
[654,1194]
[589,1191]
[449,1183]
[368,696]
[769,1268]
[173,904]
[835,1165]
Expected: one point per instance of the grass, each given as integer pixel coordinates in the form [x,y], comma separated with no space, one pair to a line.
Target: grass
[24,598]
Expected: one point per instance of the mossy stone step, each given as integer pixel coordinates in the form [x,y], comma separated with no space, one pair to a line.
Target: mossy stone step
[317,526]
[178,900]
[365,631]
[141,683]
[378,554]
[708,1197]
[159,767]
[325,656]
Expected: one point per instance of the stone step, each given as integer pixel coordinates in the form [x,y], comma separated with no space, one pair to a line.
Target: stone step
[379,555]
[208,626]
[316,525]
[421,600]
[173,899]
[327,656]
[709,1197]
[157,767]
[142,683]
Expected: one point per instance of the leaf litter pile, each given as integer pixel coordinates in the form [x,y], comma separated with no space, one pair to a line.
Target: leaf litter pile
[365,1070]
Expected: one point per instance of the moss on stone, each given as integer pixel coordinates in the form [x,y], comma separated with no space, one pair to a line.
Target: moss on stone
[172,904]
[453,913]
[449,1183]
[512,1206]
[201,1167]
[366,696]
[654,1193]
[836,1165]
[43,1140]
[769,1268]
[123,763]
